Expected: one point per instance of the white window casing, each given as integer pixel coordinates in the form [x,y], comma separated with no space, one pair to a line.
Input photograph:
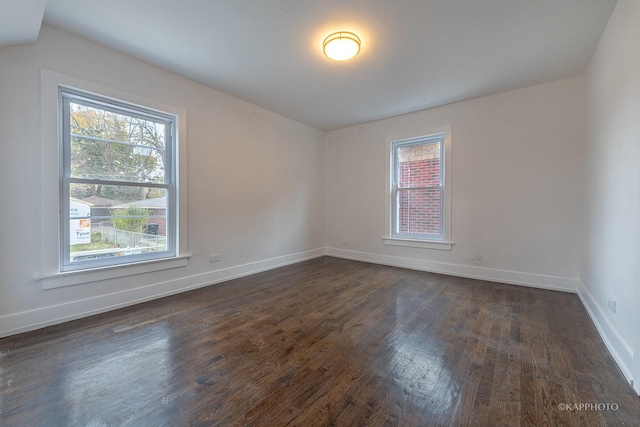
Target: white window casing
[59,93]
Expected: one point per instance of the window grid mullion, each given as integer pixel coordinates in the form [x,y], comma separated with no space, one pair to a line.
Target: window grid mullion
[91,181]
[431,187]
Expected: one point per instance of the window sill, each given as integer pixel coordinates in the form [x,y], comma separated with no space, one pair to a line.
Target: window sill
[424,244]
[69,278]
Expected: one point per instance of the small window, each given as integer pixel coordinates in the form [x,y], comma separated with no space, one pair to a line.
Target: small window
[118,185]
[419,195]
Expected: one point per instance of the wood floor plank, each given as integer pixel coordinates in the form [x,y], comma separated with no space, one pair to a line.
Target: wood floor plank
[327,342]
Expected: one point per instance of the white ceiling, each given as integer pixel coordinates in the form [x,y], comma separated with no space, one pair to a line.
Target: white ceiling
[20,21]
[415,54]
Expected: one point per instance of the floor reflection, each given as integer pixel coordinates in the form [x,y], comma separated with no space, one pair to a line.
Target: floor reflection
[418,363]
[100,390]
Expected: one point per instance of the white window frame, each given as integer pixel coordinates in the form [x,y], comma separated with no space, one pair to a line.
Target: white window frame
[443,241]
[66,96]
[54,274]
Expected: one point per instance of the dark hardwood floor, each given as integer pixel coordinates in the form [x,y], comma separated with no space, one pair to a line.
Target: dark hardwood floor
[324,342]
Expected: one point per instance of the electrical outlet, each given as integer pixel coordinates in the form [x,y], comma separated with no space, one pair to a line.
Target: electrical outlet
[215,258]
[612,305]
[345,243]
[477,257]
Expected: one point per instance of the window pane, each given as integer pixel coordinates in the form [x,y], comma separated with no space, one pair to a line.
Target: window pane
[115,147]
[419,165]
[419,212]
[116,221]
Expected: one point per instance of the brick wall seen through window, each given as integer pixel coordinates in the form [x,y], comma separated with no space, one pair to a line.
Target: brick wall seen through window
[419,210]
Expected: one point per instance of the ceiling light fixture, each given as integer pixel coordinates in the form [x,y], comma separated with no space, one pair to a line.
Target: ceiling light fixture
[341,46]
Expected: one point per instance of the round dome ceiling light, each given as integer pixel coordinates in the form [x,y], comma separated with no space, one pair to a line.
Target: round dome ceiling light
[341,46]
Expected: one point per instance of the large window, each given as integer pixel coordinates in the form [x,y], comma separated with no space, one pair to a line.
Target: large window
[118,184]
[419,192]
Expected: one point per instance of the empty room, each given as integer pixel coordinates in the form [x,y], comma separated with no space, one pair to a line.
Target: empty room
[314,213]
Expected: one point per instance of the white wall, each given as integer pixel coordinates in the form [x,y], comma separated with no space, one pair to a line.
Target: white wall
[517,160]
[255,183]
[610,209]
[261,186]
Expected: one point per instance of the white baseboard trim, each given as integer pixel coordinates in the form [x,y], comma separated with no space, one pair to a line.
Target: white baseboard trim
[541,281]
[620,350]
[29,320]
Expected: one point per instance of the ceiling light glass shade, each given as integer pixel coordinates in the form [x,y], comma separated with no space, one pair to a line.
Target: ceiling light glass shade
[341,46]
